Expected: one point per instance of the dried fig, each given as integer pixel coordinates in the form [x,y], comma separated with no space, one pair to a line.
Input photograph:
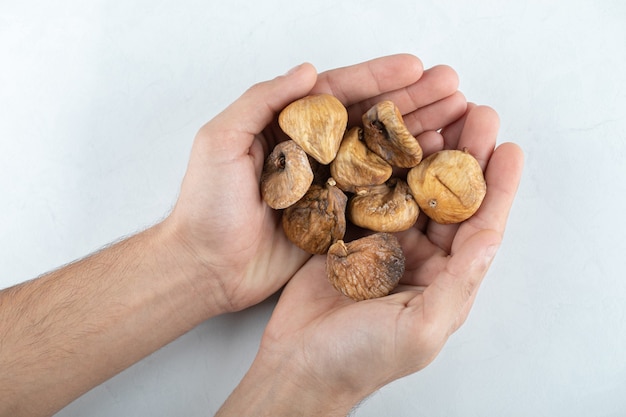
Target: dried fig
[449,186]
[366,268]
[386,134]
[287,175]
[355,165]
[388,207]
[317,123]
[318,219]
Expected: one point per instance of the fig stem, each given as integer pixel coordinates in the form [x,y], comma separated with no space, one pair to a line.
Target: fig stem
[342,250]
[280,161]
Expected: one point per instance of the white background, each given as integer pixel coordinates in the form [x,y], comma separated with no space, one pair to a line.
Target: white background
[99,102]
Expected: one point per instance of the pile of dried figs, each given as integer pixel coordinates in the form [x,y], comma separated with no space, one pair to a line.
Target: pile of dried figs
[327,176]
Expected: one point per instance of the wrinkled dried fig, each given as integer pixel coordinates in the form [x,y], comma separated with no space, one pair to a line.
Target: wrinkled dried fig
[355,165]
[317,123]
[449,186]
[318,219]
[287,175]
[366,268]
[386,134]
[388,207]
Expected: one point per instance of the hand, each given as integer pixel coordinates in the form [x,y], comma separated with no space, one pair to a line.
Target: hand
[220,217]
[332,345]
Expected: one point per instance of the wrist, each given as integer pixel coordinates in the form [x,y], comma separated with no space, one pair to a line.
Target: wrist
[197,276]
[277,385]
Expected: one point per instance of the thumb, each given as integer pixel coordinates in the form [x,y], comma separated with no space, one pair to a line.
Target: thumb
[257,107]
[451,294]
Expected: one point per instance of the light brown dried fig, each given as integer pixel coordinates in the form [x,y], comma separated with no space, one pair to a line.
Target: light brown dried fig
[386,134]
[355,165]
[317,123]
[318,219]
[449,186]
[388,207]
[286,176]
[365,268]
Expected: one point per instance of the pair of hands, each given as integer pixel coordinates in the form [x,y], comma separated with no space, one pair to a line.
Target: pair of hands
[230,230]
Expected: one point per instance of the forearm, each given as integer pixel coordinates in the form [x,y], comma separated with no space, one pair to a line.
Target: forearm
[280,388]
[72,329]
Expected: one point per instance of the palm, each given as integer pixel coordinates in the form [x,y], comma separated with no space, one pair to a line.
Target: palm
[242,233]
[338,335]
[402,333]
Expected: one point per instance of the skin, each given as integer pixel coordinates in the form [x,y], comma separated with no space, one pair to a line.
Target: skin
[321,339]
[221,249]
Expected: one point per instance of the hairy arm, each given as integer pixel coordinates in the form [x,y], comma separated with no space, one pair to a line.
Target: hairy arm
[73,328]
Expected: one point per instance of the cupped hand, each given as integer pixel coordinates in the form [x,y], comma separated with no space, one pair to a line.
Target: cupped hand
[339,345]
[220,217]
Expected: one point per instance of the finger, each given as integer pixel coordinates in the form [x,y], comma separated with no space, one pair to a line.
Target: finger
[434,85]
[452,132]
[430,141]
[464,313]
[437,83]
[446,299]
[423,260]
[256,108]
[436,115]
[503,176]
[359,82]
[409,288]
[476,131]
[480,133]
